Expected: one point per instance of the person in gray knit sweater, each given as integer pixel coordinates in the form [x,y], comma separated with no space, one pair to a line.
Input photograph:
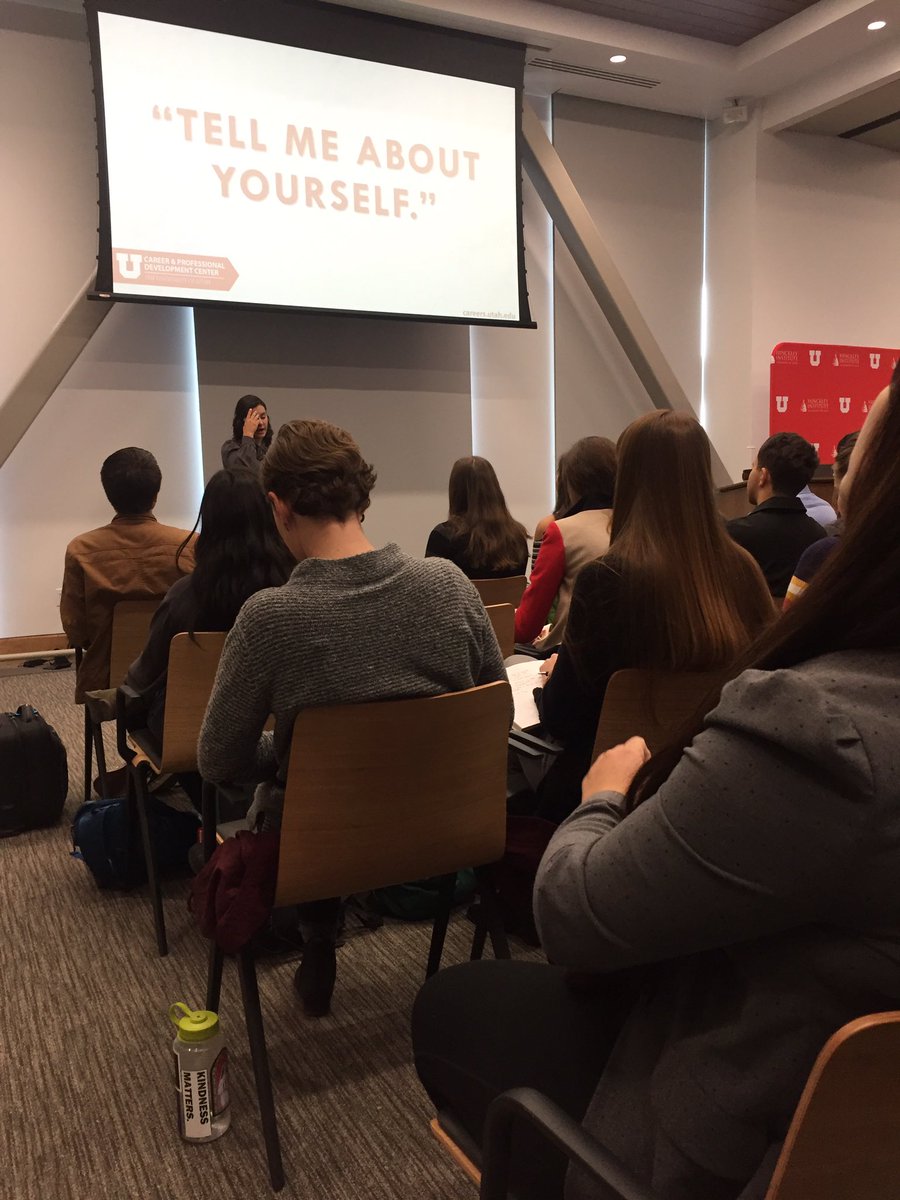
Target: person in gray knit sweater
[716,913]
[352,624]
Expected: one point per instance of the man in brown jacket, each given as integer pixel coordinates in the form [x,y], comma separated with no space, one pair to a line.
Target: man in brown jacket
[132,558]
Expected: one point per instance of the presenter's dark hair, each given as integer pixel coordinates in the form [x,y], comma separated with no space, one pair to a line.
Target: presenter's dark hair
[478,513]
[131,479]
[790,460]
[237,551]
[241,409]
[318,470]
[852,603]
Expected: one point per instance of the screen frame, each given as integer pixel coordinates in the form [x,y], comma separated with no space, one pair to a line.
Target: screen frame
[330,29]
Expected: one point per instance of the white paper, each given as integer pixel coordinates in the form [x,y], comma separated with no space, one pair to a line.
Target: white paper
[523,678]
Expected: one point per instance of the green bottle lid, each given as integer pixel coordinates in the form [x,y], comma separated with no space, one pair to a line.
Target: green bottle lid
[194,1025]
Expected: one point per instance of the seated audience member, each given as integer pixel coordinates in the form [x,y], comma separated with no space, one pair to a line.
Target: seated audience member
[479,534]
[814,556]
[560,508]
[588,476]
[237,553]
[132,558]
[251,435]
[778,529]
[673,592]
[727,907]
[352,624]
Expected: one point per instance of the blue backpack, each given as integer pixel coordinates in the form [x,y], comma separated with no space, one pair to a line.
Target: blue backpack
[100,839]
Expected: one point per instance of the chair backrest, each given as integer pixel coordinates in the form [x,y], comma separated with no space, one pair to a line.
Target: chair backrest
[192,672]
[652,704]
[503,619]
[130,626]
[394,791]
[501,591]
[843,1142]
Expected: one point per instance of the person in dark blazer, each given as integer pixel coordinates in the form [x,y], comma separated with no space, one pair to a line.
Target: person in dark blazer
[778,529]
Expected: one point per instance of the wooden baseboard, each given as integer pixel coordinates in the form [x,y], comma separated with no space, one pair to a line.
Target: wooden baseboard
[38,643]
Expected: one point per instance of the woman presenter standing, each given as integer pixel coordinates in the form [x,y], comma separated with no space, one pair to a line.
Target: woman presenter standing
[251,435]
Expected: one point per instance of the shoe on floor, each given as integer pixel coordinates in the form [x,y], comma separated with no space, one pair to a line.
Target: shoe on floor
[314,978]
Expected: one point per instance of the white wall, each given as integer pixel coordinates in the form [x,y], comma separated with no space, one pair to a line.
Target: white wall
[48,198]
[802,237]
[640,174]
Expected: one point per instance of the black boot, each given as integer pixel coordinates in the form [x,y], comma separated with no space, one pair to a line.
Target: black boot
[314,978]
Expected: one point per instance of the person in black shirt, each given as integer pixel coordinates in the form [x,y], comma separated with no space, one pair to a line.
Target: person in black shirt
[778,530]
[479,535]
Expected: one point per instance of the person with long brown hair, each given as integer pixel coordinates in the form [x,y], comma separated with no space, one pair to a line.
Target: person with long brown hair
[735,898]
[479,535]
[585,480]
[673,592]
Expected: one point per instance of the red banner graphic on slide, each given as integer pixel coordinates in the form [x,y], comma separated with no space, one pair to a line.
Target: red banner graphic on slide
[157,268]
[824,392]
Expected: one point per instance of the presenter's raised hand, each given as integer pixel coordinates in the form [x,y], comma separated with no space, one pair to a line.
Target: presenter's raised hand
[615,769]
[255,423]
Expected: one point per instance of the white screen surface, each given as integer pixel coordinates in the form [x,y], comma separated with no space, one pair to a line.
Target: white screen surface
[257,173]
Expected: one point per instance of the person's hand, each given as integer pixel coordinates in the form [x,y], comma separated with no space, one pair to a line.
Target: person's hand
[546,669]
[615,769]
[253,421]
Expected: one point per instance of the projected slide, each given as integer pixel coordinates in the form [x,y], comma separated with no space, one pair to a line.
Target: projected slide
[256,173]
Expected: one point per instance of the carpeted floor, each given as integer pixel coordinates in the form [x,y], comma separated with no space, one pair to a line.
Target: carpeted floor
[87,1093]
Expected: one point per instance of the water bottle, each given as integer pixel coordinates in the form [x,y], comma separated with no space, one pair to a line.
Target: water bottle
[201,1065]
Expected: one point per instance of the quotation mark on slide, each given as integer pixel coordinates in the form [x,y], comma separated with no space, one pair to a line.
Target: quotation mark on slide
[166,114]
[425,198]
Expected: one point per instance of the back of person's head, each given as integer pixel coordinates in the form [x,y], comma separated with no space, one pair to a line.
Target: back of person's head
[842,452]
[853,602]
[496,542]
[318,470]
[692,599]
[241,409]
[586,476]
[790,460]
[131,479]
[237,551]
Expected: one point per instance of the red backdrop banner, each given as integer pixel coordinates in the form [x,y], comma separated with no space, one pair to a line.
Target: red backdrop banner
[823,392]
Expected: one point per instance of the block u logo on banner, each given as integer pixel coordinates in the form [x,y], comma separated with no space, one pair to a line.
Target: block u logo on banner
[815,357]
[844,402]
[874,361]
[781,403]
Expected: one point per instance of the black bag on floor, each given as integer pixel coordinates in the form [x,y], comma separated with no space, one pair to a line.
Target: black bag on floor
[34,773]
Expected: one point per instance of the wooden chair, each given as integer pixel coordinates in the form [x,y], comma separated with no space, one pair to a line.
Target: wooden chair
[842,1143]
[192,671]
[130,626]
[653,705]
[501,591]
[379,794]
[503,620]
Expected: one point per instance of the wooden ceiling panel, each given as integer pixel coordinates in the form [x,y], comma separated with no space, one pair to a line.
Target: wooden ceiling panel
[730,22]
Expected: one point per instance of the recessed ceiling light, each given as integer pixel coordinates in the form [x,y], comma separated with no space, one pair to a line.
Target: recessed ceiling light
[621,57]
[876,25]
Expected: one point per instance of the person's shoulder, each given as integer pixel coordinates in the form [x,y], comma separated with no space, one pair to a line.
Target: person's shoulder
[92,540]
[815,555]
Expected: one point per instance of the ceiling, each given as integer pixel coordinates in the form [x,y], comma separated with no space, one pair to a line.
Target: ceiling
[730,22]
[813,67]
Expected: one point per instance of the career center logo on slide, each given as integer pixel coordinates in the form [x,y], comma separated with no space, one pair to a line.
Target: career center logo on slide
[157,268]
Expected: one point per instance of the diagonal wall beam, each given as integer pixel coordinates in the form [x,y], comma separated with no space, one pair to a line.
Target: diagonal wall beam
[577,229]
[35,387]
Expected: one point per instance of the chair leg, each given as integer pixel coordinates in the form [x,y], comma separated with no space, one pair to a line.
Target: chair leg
[446,889]
[100,751]
[490,918]
[88,753]
[209,817]
[260,1058]
[214,977]
[137,780]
